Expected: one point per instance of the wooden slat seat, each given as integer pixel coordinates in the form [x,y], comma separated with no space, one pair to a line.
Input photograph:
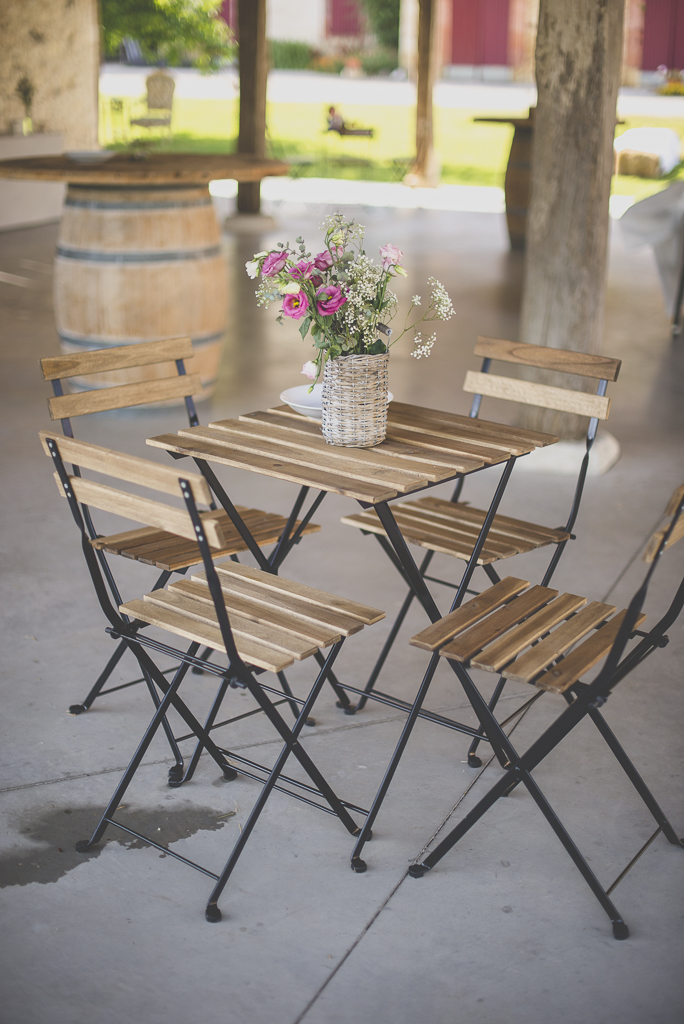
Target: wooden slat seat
[520,633]
[169,552]
[274,621]
[453,528]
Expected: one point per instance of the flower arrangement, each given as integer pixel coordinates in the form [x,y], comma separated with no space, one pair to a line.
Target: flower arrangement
[341,297]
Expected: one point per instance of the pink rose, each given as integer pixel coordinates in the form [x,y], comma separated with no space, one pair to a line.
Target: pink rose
[323,261]
[329,300]
[316,280]
[302,270]
[295,305]
[390,255]
[274,263]
[310,370]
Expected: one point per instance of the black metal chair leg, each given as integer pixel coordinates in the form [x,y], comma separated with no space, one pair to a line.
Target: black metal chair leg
[634,777]
[342,698]
[294,706]
[86,844]
[620,929]
[212,912]
[358,865]
[209,721]
[473,760]
[78,709]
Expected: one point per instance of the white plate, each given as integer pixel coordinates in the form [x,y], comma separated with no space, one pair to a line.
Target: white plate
[90,156]
[309,403]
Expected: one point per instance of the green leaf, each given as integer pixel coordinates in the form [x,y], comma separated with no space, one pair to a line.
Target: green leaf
[377,348]
[304,326]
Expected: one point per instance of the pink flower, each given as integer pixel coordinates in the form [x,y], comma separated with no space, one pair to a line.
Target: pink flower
[323,261]
[310,370]
[390,255]
[329,300]
[274,263]
[302,270]
[316,280]
[295,306]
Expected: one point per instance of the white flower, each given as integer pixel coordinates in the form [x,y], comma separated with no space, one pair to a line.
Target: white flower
[415,301]
[440,299]
[310,370]
[423,347]
[291,288]
[252,268]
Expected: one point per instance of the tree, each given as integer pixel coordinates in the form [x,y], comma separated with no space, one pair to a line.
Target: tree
[383,16]
[170,30]
[578,59]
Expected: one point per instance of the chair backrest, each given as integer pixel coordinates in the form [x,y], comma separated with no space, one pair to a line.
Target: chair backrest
[673,531]
[188,523]
[160,88]
[583,364]
[663,538]
[155,356]
[141,472]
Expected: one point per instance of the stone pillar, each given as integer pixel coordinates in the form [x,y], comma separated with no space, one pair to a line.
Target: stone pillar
[56,46]
[253,78]
[578,60]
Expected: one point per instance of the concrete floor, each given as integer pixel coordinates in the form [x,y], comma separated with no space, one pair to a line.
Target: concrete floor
[504,927]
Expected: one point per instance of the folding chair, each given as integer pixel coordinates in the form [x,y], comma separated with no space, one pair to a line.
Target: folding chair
[101,378]
[261,622]
[549,641]
[453,527]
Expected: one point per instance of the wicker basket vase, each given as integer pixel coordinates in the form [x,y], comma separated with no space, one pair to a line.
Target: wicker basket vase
[355,400]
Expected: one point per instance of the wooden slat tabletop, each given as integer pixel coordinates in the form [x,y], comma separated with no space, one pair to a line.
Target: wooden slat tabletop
[423,446]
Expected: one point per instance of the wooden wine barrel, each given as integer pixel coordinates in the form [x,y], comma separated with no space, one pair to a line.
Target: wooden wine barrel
[141,263]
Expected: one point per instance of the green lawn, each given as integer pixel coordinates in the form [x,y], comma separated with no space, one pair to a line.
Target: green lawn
[471,153]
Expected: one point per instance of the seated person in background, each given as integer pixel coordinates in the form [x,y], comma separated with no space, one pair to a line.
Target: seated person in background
[336,123]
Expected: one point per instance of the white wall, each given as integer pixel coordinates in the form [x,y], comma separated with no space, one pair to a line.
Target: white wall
[29,202]
[55,43]
[303,21]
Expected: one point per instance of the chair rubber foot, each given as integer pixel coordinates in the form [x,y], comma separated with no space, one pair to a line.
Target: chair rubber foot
[350,711]
[77,709]
[229,775]
[175,774]
[620,930]
[358,865]
[474,761]
[197,671]
[417,870]
[82,846]
[212,913]
[310,722]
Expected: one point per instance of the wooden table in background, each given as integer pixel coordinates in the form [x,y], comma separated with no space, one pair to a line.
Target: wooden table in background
[139,255]
[518,182]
